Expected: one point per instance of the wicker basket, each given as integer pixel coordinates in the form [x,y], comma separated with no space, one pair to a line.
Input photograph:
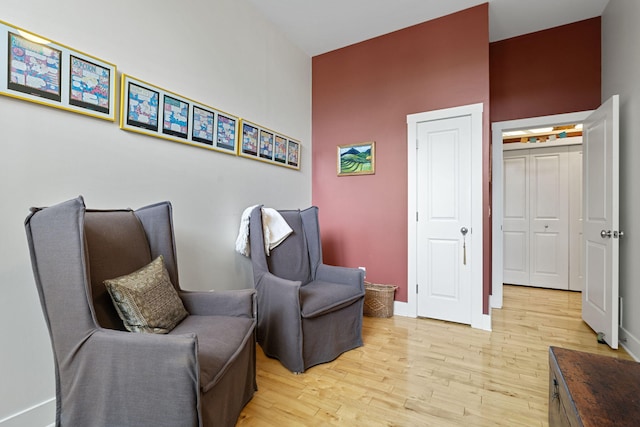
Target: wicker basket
[378,300]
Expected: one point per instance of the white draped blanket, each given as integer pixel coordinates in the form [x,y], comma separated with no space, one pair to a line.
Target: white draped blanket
[274,229]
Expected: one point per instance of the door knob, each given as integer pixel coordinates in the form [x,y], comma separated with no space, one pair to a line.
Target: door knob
[464,231]
[604,234]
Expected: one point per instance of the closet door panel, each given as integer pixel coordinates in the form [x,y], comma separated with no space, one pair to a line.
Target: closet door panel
[549,225]
[516,217]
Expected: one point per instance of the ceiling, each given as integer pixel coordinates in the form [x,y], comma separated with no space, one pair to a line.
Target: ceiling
[320,26]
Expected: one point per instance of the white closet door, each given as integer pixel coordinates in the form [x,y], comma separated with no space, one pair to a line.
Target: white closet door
[549,224]
[515,224]
[539,198]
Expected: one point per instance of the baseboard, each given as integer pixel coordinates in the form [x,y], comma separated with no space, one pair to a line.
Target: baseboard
[629,343]
[483,322]
[40,415]
[495,301]
[402,309]
[405,310]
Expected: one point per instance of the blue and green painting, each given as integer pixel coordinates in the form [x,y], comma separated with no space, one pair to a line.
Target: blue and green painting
[356,159]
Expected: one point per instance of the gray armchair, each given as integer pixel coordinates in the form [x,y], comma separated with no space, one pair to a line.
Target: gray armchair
[308,312]
[202,373]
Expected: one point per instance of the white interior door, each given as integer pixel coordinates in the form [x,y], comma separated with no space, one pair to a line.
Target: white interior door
[516,217]
[601,221]
[444,229]
[549,224]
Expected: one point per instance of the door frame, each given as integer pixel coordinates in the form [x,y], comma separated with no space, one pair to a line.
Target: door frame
[497,180]
[475,111]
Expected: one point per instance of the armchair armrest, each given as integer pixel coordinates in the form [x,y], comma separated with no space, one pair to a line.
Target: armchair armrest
[279,294]
[237,303]
[342,275]
[149,371]
[279,320]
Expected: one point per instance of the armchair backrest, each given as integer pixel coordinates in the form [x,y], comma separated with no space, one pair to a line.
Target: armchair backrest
[290,259]
[120,242]
[298,256]
[73,250]
[116,245]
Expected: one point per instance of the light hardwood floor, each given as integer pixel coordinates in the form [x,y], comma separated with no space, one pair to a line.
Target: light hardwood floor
[422,372]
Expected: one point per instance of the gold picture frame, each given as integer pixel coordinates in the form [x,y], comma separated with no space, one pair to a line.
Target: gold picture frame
[151,110]
[266,145]
[48,73]
[357,159]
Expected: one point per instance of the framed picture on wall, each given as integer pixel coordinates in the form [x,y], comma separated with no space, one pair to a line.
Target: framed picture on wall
[183,120]
[202,125]
[48,73]
[227,129]
[175,117]
[89,85]
[34,68]
[249,145]
[293,154]
[266,144]
[263,144]
[357,159]
[142,106]
[280,149]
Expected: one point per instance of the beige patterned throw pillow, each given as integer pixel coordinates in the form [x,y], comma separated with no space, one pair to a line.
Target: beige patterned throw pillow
[146,300]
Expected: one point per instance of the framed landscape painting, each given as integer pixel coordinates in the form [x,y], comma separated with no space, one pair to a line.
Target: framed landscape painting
[357,159]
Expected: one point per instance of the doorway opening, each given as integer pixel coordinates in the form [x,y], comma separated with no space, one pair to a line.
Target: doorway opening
[497,211]
[542,205]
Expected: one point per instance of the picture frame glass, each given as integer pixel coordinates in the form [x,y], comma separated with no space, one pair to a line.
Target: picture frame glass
[90,85]
[280,149]
[34,68]
[266,145]
[202,125]
[249,139]
[356,159]
[142,107]
[226,136]
[293,153]
[175,117]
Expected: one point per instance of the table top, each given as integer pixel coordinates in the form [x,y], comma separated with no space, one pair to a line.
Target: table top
[604,390]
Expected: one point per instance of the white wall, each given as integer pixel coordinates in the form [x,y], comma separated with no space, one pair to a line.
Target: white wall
[217,52]
[621,75]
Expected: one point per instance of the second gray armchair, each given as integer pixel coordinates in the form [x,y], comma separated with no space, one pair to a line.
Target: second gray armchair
[308,312]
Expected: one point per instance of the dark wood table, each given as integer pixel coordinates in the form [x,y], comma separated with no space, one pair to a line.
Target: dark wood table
[591,390]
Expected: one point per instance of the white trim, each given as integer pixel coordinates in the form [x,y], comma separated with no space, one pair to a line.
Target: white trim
[403,309]
[561,142]
[478,319]
[497,187]
[484,322]
[630,343]
[42,414]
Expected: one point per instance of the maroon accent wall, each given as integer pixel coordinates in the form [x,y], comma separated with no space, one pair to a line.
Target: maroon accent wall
[553,71]
[364,92]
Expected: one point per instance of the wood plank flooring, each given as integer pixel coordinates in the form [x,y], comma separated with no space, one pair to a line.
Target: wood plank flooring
[422,372]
